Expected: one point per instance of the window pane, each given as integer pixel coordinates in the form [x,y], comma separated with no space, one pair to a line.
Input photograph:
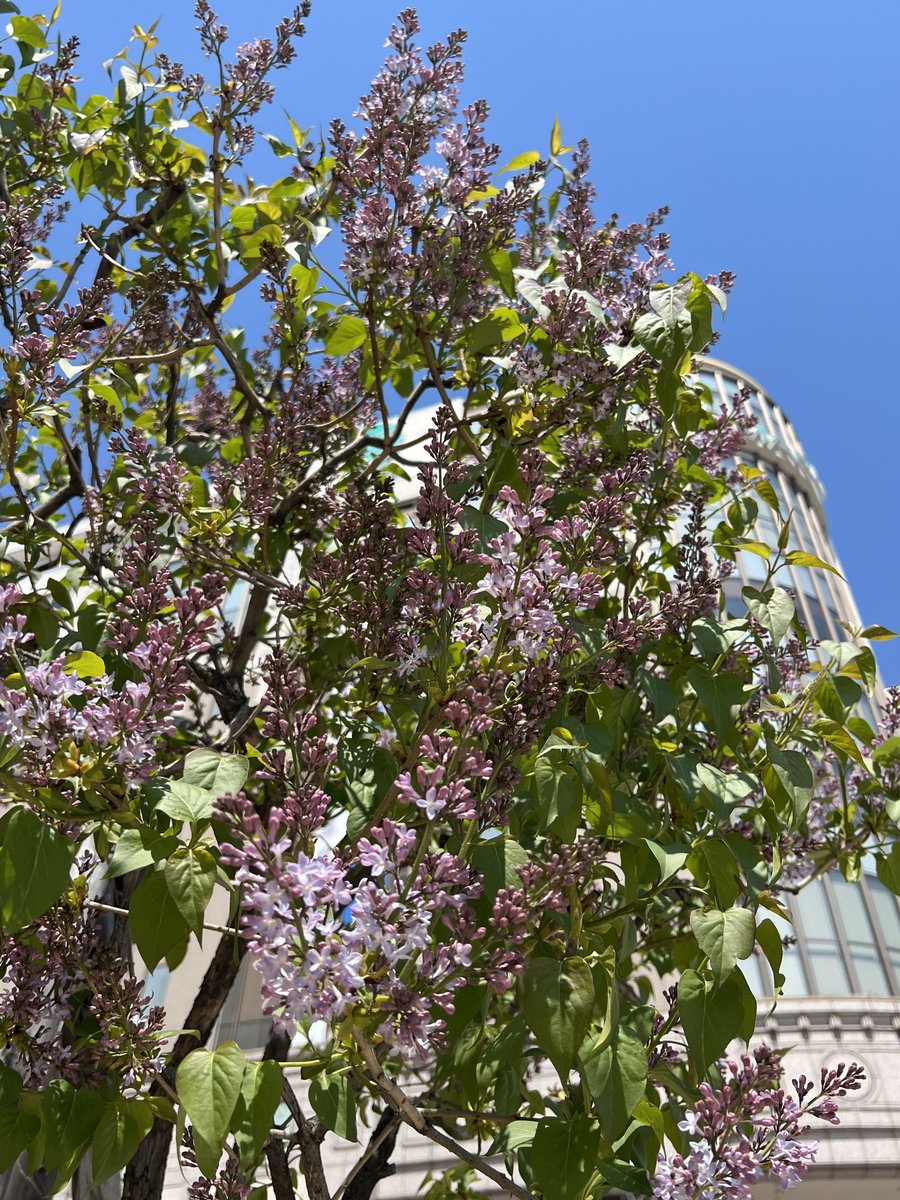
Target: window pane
[852,910]
[830,975]
[794,976]
[886,910]
[867,961]
[813,917]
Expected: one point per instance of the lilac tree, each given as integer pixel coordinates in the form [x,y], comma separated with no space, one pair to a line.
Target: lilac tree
[498,789]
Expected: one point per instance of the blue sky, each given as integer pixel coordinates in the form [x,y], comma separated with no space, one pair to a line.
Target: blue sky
[767,127]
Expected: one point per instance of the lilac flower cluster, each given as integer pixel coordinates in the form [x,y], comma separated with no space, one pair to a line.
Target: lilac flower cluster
[441,780]
[328,943]
[749,1129]
[70,1009]
[423,243]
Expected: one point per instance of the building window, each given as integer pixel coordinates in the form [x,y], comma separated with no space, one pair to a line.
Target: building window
[846,941]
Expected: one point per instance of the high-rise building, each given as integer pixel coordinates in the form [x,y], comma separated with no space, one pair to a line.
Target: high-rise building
[841,996]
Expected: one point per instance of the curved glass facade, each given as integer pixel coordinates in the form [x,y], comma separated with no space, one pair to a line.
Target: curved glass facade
[845,938]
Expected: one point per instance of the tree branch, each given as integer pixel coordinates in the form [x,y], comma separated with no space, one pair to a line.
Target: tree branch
[374,1165]
[398,1099]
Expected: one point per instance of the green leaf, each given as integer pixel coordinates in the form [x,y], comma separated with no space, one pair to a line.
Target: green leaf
[137,848]
[557,999]
[255,1110]
[157,925]
[788,778]
[187,802]
[501,325]
[208,1083]
[616,1077]
[560,796]
[219,774]
[190,876]
[347,334]
[86,665]
[334,1104]
[564,1153]
[800,558]
[773,608]
[727,789]
[724,937]
[626,1177]
[714,1016]
[888,868]
[722,695]
[512,1136]
[69,1118]
[17,1130]
[499,861]
[773,948]
[28,32]
[500,265]
[670,301]
[35,862]
[888,752]
[486,525]
[17,1127]
[123,1126]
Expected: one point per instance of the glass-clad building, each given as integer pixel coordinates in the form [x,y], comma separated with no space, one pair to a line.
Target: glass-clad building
[846,938]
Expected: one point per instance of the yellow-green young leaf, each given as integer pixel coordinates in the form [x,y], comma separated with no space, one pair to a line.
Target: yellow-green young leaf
[799,558]
[758,548]
[208,1083]
[765,489]
[558,999]
[348,334]
[123,1126]
[839,739]
[334,1103]
[521,161]
[35,863]
[255,1110]
[564,1154]
[724,937]
[556,143]
[190,875]
[85,664]
[877,633]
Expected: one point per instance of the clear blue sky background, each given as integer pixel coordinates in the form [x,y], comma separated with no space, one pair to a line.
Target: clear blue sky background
[768,127]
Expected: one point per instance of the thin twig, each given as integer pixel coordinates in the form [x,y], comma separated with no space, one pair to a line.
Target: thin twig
[123,912]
